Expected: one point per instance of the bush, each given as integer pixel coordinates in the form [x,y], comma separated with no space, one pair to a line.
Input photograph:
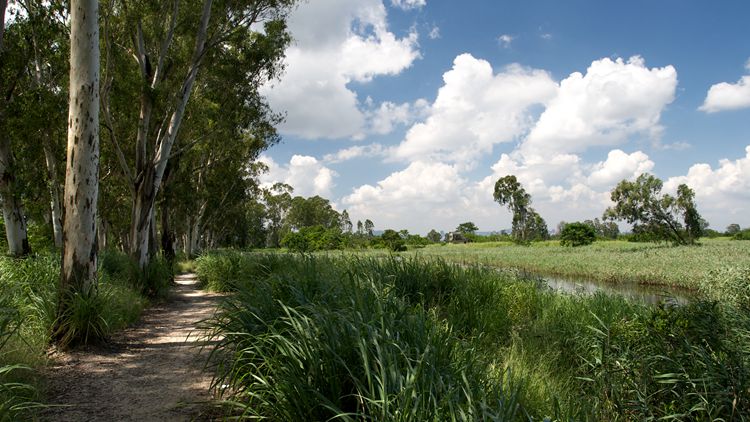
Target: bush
[393,241]
[742,235]
[577,234]
[313,238]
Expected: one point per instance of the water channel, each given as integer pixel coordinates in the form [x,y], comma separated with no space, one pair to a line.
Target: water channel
[631,291]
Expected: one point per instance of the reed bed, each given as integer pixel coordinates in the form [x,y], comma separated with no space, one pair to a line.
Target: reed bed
[386,338]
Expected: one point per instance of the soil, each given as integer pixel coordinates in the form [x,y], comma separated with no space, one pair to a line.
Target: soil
[153,371]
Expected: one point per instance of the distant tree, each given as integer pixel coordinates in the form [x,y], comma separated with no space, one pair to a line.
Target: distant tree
[655,215]
[604,229]
[278,200]
[433,236]
[369,228]
[577,234]
[467,228]
[733,229]
[346,222]
[560,227]
[403,233]
[313,211]
[360,229]
[392,240]
[527,224]
[536,226]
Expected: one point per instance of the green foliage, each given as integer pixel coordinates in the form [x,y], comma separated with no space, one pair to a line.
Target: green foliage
[655,216]
[528,225]
[154,280]
[313,211]
[313,238]
[742,235]
[392,240]
[433,236]
[308,342]
[577,234]
[467,228]
[728,285]
[82,320]
[312,338]
[733,229]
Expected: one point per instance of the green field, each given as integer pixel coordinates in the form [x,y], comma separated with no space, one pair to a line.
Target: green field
[607,261]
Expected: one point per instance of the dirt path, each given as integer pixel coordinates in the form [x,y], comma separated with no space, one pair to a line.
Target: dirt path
[150,372]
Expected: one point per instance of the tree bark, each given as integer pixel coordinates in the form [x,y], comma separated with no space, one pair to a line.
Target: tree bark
[54,193]
[15,222]
[152,172]
[79,254]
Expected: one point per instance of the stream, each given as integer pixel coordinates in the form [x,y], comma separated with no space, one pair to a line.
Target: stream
[632,291]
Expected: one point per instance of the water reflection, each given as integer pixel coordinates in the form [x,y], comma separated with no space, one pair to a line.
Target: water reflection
[632,291]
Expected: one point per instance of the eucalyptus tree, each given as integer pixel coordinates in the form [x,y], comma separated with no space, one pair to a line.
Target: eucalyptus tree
[79,256]
[346,222]
[278,200]
[169,43]
[527,223]
[657,215]
[43,102]
[14,58]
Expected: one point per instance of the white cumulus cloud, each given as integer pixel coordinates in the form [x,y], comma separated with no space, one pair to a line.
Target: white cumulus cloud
[336,42]
[476,109]
[725,96]
[305,174]
[618,166]
[424,191]
[722,193]
[614,100]
[409,4]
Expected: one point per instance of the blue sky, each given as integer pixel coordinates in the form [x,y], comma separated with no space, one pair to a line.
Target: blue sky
[407,111]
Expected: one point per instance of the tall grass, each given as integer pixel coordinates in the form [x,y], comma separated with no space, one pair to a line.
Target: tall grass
[318,338]
[28,318]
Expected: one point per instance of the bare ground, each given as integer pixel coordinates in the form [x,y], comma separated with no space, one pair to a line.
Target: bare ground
[150,372]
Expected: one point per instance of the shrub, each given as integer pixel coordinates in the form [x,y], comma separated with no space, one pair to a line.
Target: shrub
[313,238]
[393,241]
[577,234]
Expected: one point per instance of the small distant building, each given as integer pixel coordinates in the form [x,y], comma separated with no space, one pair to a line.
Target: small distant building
[455,237]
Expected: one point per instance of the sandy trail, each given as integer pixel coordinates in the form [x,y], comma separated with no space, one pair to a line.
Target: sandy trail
[149,372]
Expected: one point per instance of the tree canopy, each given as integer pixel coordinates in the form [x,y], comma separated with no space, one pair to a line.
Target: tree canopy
[654,215]
[528,225]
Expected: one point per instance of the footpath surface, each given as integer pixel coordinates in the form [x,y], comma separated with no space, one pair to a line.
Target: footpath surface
[152,371]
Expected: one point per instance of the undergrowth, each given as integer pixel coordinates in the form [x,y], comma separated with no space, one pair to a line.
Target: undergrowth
[29,320]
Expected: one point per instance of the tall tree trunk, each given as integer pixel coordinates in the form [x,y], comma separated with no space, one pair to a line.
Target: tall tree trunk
[54,193]
[101,233]
[79,252]
[167,237]
[153,172]
[15,223]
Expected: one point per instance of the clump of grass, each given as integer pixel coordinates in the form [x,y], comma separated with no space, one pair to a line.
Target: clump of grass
[729,285]
[311,341]
[82,319]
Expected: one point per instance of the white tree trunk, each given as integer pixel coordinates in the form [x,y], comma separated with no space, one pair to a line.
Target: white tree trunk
[15,223]
[145,195]
[82,170]
[55,194]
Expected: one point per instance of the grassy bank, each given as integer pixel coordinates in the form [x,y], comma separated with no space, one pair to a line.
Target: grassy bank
[414,339]
[607,261]
[28,305]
